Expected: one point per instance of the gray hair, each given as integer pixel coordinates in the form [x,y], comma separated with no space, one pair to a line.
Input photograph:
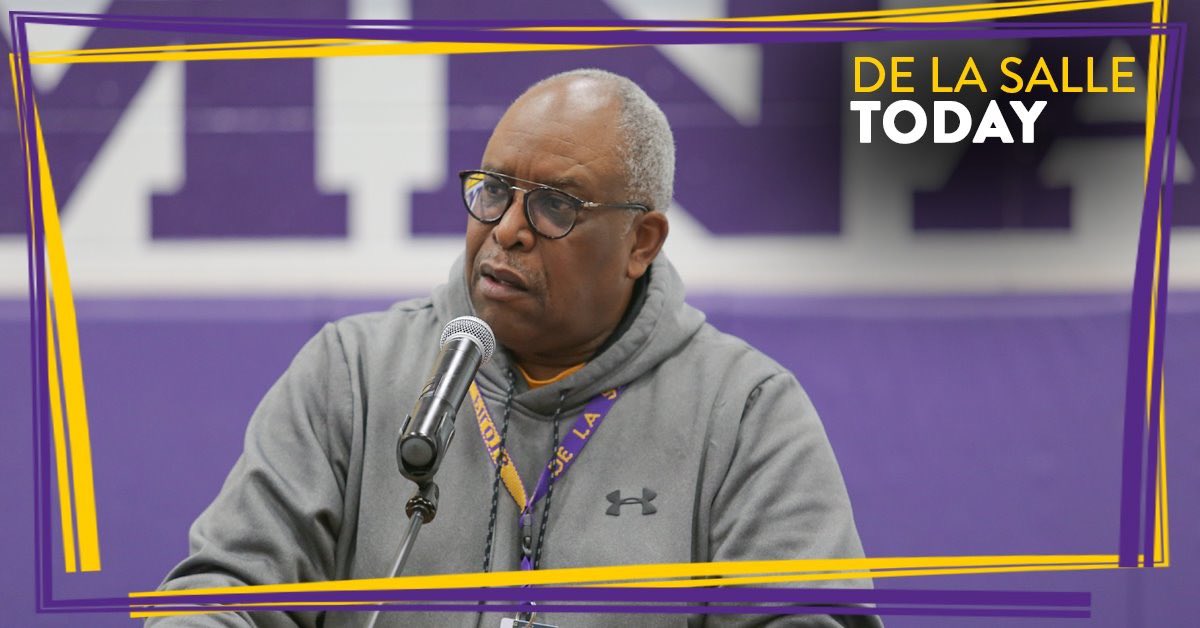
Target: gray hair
[649,146]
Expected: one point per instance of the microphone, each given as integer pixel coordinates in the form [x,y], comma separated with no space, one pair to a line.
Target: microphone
[467,344]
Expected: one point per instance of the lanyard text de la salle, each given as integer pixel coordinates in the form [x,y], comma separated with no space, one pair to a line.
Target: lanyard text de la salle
[564,456]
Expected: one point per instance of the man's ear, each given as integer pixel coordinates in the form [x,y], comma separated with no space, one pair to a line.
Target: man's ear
[649,232]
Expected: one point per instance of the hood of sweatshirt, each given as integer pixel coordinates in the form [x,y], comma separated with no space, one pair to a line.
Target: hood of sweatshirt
[660,327]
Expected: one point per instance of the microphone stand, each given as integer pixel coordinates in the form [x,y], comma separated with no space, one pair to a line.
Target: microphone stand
[421,509]
[467,343]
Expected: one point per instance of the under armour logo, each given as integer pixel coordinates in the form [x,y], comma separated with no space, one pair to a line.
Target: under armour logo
[614,498]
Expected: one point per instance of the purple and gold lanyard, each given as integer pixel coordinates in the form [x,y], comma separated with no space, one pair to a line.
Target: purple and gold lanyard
[564,456]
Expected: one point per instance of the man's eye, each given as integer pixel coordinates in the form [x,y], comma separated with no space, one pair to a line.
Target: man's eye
[495,189]
[558,205]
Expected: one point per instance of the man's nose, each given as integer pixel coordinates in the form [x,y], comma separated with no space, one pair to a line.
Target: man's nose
[513,230]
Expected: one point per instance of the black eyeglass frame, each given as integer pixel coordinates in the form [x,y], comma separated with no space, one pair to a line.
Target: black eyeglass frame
[507,181]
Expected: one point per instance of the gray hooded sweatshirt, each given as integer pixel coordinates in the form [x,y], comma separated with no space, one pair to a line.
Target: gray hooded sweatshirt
[724,437]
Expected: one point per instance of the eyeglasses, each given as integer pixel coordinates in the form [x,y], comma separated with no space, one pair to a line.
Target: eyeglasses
[550,211]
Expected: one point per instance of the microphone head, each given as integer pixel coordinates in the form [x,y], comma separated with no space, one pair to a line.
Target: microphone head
[473,329]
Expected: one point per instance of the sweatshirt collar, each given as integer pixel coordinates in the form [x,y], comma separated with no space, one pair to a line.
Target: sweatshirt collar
[662,325]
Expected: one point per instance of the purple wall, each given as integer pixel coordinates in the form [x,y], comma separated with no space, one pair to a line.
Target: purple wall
[964,425]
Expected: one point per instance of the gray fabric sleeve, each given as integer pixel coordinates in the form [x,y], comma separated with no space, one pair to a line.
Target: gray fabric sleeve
[277,516]
[783,497]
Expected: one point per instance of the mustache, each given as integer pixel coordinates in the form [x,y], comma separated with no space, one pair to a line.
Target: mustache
[534,280]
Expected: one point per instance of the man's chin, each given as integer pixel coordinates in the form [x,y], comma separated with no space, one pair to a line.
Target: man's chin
[506,318]
[512,331]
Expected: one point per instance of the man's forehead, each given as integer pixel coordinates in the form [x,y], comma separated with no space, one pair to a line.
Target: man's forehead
[559,135]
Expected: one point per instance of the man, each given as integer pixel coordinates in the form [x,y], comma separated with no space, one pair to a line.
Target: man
[704,450]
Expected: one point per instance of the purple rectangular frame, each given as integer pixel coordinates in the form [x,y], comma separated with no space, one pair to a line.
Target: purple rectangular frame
[1140,450]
